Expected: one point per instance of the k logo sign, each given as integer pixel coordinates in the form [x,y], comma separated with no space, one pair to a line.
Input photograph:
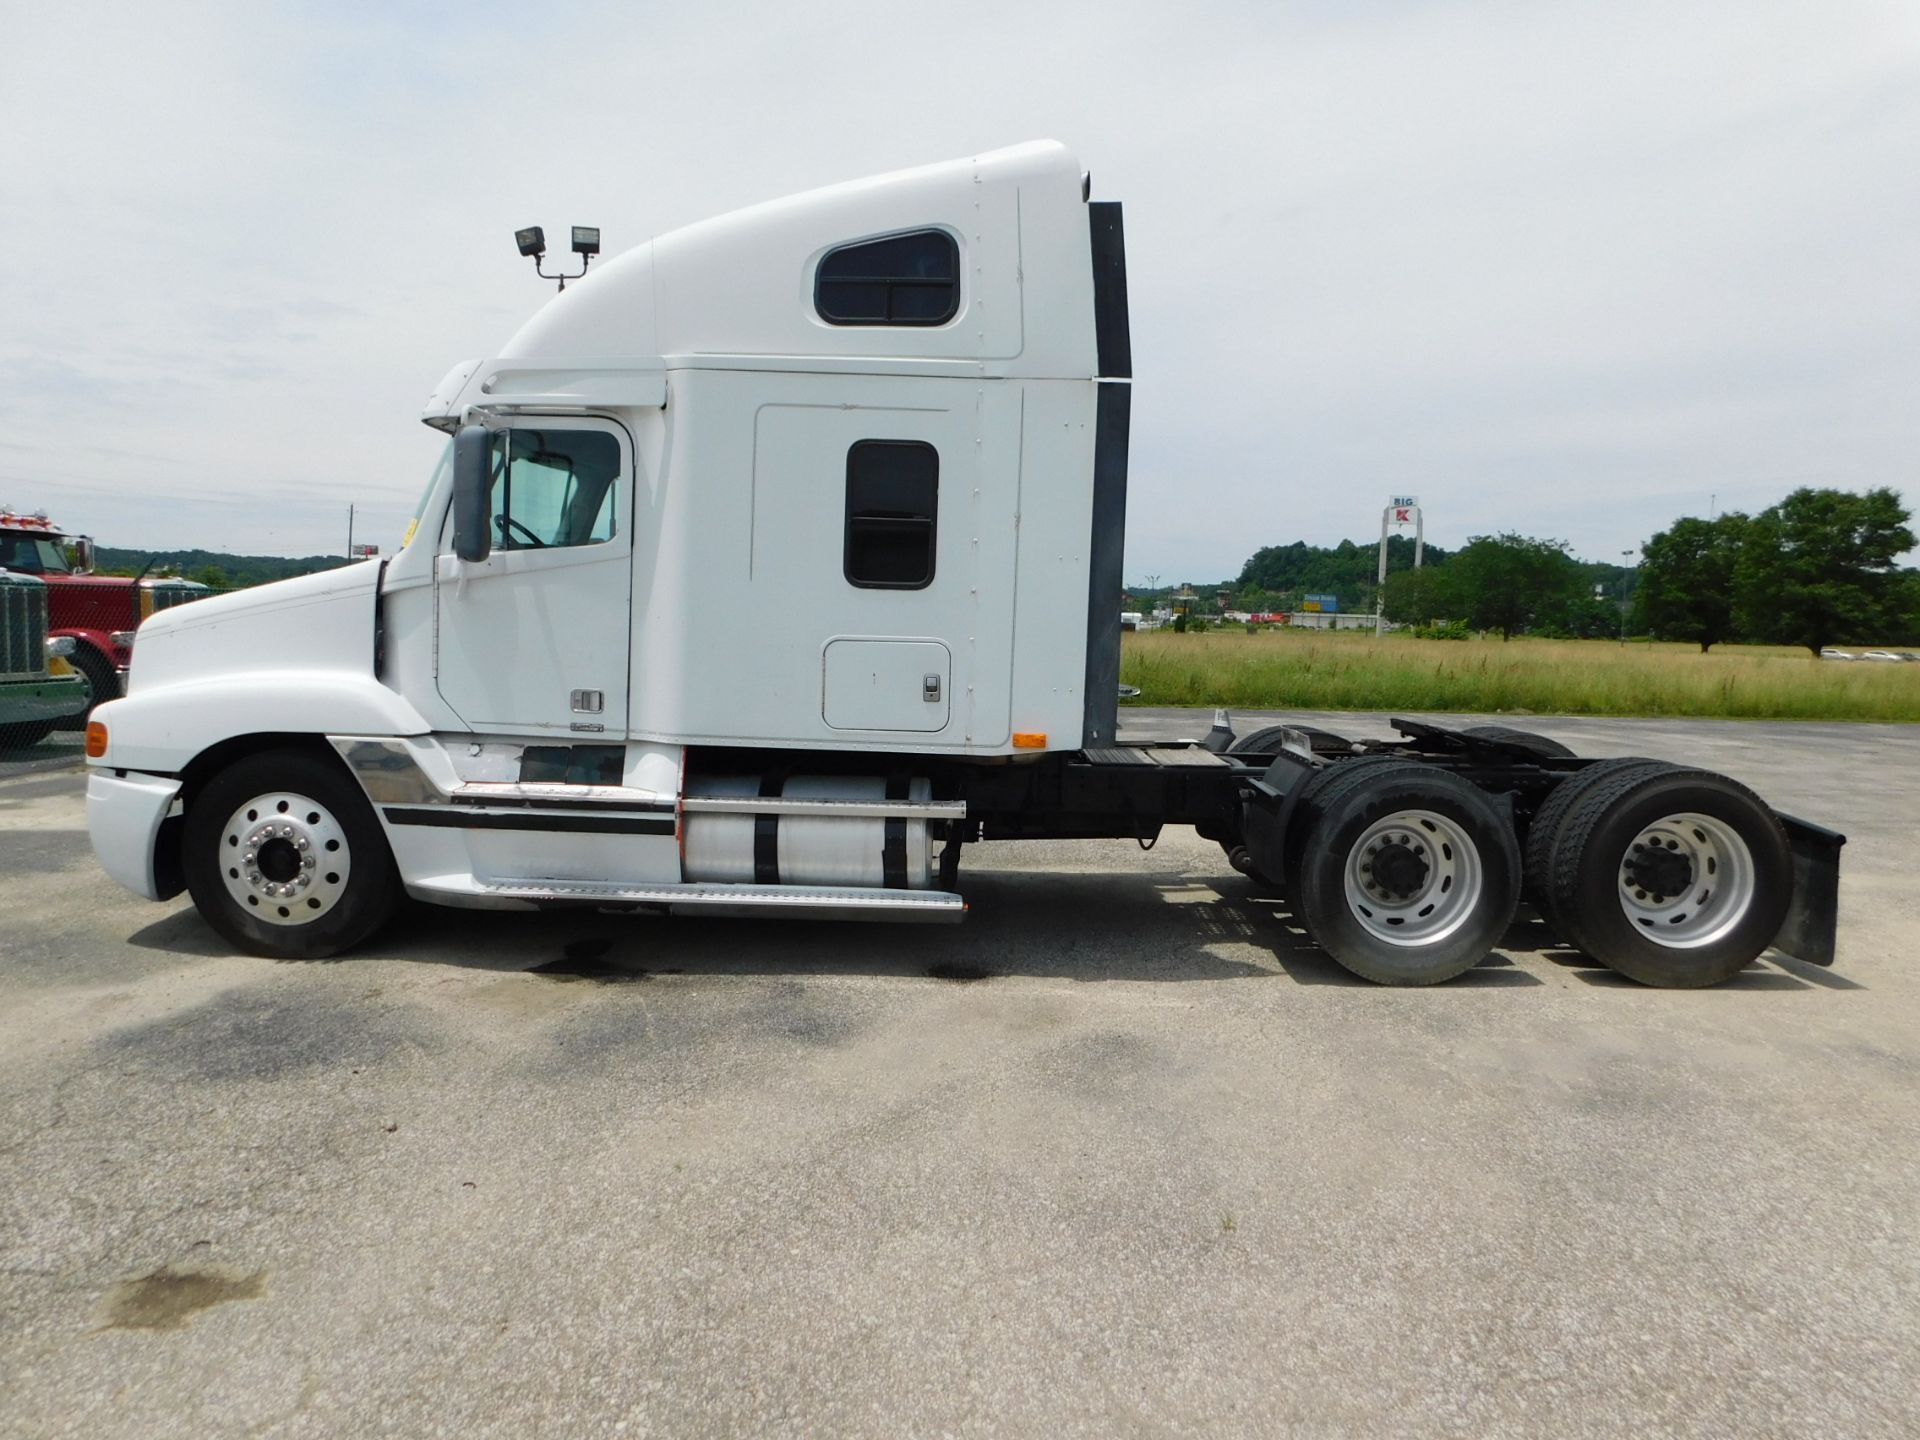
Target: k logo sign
[1402,515]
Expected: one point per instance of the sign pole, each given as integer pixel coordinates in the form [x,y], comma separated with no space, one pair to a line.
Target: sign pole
[1401,510]
[1380,581]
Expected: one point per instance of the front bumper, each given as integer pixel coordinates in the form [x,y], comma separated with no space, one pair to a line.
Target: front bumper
[130,818]
[55,698]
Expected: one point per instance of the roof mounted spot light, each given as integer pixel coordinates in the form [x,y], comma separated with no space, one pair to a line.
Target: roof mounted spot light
[533,244]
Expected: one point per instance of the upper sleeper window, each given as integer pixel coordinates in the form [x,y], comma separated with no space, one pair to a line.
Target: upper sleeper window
[903,280]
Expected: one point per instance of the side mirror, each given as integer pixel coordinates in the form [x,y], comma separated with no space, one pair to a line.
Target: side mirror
[472,492]
[83,554]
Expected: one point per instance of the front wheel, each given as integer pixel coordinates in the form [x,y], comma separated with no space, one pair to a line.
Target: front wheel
[283,857]
[102,684]
[1408,876]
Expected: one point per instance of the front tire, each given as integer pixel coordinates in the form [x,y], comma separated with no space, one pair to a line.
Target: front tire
[102,683]
[1408,875]
[284,857]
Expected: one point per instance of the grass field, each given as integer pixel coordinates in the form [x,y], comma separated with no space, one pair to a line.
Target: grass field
[1281,669]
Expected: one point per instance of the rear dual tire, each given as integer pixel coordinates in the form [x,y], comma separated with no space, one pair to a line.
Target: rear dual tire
[1404,874]
[1673,877]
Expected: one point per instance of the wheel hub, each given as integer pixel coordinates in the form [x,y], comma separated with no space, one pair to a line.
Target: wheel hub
[1414,877]
[1686,880]
[284,858]
[1400,868]
[1658,867]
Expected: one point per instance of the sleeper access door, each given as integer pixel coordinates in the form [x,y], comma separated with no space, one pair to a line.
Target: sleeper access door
[535,638]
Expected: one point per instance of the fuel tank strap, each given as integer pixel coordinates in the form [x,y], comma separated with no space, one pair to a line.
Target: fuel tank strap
[766,833]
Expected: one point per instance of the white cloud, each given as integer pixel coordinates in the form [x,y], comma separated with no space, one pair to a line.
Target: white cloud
[1562,269]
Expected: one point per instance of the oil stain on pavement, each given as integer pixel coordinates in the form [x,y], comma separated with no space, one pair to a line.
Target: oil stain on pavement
[173,1295]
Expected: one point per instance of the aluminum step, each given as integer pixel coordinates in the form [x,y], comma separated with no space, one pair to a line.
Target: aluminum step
[1168,756]
[812,901]
[554,795]
[844,809]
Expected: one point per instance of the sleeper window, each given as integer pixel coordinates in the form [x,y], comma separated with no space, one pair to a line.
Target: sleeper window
[902,280]
[553,487]
[893,493]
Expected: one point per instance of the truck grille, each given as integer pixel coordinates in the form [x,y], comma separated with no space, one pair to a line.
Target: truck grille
[23,628]
[167,594]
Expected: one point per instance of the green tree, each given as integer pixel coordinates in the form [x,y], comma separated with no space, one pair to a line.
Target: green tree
[1583,616]
[1348,569]
[1818,568]
[1418,597]
[1687,578]
[1507,582]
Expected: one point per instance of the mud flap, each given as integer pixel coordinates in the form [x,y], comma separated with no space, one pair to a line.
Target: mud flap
[1814,917]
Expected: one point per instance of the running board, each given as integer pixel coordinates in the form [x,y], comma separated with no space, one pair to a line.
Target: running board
[819,902]
[845,809]
[552,796]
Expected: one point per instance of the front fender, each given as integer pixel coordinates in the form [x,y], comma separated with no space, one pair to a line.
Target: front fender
[160,731]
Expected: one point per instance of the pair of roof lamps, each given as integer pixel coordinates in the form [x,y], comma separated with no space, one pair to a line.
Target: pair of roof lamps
[533,242]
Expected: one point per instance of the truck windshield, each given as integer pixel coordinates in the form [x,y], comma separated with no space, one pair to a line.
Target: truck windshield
[32,555]
[433,481]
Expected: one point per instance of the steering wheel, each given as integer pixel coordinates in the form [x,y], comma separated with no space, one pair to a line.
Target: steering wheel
[507,522]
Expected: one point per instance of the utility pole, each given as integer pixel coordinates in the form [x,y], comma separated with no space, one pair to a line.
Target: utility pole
[349,531]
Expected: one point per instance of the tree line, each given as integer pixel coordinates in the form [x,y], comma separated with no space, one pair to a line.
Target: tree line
[211,567]
[1816,569]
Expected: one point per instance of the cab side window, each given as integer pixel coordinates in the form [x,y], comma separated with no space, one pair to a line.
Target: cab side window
[893,504]
[553,488]
[911,279]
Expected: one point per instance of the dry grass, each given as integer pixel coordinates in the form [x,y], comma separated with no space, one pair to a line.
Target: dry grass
[1308,670]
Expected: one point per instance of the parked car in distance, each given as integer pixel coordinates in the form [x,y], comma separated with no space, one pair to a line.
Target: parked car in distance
[1832,654]
[1893,655]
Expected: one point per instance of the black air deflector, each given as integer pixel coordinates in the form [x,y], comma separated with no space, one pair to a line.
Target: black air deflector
[1106,551]
[1110,290]
[1107,543]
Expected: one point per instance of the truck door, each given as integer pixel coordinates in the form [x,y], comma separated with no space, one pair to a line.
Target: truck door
[535,637]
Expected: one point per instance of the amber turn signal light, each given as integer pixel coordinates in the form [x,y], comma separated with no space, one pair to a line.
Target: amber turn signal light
[96,739]
[1029,739]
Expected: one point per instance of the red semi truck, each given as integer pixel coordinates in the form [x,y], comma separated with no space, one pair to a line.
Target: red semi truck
[98,612]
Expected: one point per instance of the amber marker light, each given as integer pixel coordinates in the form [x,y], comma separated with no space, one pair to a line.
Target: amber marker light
[1029,739]
[96,739]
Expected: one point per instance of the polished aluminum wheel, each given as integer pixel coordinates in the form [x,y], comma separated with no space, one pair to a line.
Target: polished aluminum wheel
[285,858]
[1686,880]
[1414,878]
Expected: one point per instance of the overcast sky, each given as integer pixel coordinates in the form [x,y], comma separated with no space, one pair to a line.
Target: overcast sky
[1564,269]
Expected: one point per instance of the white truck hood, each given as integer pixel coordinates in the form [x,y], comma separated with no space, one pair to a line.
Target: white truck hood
[317,622]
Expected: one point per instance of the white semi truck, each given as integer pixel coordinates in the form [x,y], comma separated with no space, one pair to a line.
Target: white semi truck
[778,559]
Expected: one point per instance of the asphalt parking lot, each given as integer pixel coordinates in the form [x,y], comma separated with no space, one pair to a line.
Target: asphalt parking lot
[1121,1156]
